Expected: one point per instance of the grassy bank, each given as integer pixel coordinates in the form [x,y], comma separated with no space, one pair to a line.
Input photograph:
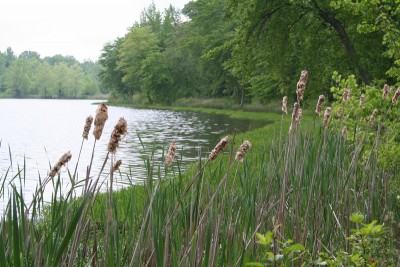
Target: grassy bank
[304,186]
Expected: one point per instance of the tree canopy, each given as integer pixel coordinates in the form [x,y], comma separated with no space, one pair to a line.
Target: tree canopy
[29,75]
[253,50]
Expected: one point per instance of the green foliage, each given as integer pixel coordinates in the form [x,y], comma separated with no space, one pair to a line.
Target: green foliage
[381,17]
[30,76]
[368,247]
[357,119]
[278,252]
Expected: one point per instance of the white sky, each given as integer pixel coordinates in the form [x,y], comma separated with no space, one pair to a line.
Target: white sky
[79,28]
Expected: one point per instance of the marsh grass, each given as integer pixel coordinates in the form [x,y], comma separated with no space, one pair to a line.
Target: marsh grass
[310,182]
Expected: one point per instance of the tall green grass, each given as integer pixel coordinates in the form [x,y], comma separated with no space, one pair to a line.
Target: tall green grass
[310,182]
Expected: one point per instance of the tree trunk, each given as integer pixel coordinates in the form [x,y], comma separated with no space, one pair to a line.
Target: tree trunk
[348,46]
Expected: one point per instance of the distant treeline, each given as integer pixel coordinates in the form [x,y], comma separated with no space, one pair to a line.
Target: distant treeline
[29,75]
[252,50]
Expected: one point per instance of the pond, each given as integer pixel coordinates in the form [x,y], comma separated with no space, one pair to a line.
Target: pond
[35,133]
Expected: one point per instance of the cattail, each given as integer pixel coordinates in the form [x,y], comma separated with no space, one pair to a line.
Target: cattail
[386,91]
[118,133]
[318,108]
[339,112]
[327,115]
[284,104]
[116,165]
[298,115]
[170,154]
[301,85]
[87,127]
[362,97]
[62,161]
[100,120]
[246,145]
[373,115]
[344,131]
[295,115]
[221,145]
[396,96]
[346,95]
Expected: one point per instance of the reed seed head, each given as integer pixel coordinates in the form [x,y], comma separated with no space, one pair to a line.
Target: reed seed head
[362,97]
[246,145]
[62,161]
[327,116]
[373,116]
[344,131]
[386,91]
[298,115]
[284,105]
[295,116]
[220,146]
[170,154]
[346,95]
[116,165]
[100,120]
[118,133]
[87,127]
[301,85]
[318,108]
[396,96]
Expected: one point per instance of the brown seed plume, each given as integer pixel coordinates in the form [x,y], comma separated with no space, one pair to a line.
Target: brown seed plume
[344,131]
[118,133]
[284,105]
[373,116]
[220,146]
[295,116]
[346,95]
[246,145]
[396,96]
[87,127]
[62,161]
[327,115]
[362,97]
[298,115]
[318,108]
[170,154]
[100,120]
[301,85]
[386,91]
[116,165]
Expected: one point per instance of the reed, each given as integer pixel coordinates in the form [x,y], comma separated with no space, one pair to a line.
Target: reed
[309,182]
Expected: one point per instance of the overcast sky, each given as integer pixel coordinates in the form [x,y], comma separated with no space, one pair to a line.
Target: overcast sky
[78,28]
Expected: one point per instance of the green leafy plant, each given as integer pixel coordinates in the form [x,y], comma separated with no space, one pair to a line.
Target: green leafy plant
[279,252]
[368,246]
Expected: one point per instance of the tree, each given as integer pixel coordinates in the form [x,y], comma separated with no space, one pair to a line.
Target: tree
[382,17]
[110,75]
[209,30]
[138,44]
[278,39]
[156,79]
[18,81]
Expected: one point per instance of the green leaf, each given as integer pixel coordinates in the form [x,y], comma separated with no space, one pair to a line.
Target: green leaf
[297,247]
[70,232]
[356,217]
[261,239]
[257,264]
[16,248]
[270,255]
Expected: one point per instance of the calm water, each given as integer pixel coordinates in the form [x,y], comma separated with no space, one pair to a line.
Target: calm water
[37,132]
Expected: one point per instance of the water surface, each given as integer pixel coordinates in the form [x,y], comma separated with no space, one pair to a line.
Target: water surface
[35,133]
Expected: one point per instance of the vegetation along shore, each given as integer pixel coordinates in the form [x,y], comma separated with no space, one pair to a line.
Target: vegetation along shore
[300,191]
